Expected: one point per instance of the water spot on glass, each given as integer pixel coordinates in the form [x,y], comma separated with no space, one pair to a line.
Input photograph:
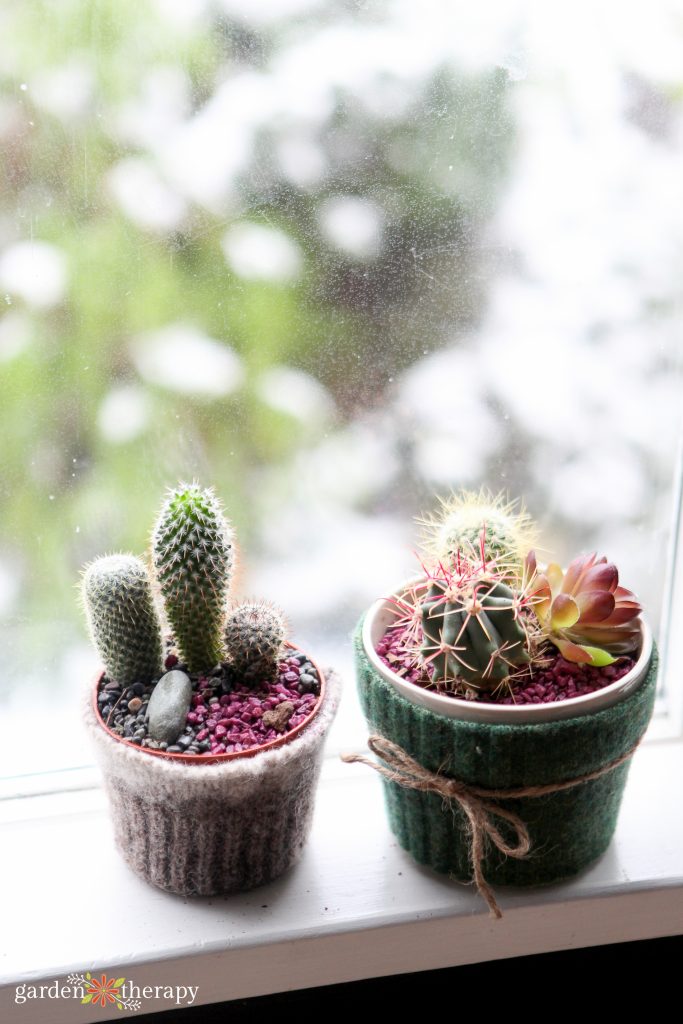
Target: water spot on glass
[8,300]
[23,87]
[52,497]
[78,529]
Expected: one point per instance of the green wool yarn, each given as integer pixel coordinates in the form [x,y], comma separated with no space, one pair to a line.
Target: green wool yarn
[123,621]
[254,634]
[193,558]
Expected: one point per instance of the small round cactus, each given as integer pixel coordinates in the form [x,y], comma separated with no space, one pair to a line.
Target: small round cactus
[192,551]
[482,527]
[254,634]
[122,617]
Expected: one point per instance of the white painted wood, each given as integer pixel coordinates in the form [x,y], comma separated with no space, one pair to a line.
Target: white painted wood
[356,907]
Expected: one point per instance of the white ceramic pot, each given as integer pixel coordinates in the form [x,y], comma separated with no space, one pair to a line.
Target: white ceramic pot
[382,614]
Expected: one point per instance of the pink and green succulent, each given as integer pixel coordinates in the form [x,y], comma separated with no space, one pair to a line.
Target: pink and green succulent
[583,611]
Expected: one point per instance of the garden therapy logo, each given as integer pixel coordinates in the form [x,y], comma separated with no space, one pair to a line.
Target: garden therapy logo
[106,992]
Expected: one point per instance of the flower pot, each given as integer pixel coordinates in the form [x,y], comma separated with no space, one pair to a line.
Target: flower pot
[500,748]
[214,825]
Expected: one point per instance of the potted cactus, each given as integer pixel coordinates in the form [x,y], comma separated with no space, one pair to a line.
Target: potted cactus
[505,700]
[207,721]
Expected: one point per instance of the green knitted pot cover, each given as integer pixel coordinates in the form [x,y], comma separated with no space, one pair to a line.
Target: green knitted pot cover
[568,829]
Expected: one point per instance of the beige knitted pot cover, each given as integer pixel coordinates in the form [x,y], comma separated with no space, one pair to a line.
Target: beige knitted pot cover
[214,828]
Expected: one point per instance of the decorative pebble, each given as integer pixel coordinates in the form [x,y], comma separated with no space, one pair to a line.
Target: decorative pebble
[168,706]
[277,718]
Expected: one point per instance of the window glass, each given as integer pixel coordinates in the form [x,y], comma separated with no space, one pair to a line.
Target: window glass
[330,257]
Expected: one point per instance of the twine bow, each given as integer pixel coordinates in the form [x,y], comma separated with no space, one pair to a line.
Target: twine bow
[479,805]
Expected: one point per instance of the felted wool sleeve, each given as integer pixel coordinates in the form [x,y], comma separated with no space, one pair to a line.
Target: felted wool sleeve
[213,828]
[569,829]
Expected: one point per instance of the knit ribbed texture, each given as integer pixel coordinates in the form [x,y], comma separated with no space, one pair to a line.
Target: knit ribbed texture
[214,828]
[568,829]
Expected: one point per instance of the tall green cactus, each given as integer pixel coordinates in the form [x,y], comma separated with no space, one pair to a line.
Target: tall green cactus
[192,551]
[123,621]
[254,634]
[472,634]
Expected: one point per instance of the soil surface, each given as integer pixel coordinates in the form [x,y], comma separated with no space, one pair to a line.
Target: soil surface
[226,716]
[554,680]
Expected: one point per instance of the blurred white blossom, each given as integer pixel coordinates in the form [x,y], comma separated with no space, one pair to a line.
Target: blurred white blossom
[182,358]
[260,252]
[34,271]
[123,414]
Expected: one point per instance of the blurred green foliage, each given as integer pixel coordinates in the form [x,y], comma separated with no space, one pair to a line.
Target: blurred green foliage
[431,164]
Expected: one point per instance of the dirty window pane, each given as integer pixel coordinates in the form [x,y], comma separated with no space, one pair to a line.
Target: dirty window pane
[331,257]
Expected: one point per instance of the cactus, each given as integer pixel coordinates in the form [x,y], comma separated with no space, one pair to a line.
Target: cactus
[123,621]
[193,556]
[254,634]
[473,629]
[482,527]
[583,611]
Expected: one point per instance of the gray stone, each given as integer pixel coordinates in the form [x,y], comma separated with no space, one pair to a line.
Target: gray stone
[168,706]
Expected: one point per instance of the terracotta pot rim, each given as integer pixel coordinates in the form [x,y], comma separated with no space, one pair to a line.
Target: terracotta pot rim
[201,759]
[504,714]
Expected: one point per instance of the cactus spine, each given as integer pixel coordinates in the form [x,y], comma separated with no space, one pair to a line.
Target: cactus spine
[122,617]
[192,550]
[254,634]
[472,633]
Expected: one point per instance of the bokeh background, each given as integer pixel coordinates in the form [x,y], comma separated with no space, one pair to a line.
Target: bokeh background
[334,258]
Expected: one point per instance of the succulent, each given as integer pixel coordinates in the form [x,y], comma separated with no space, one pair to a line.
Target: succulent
[192,551]
[482,527]
[473,628]
[583,611]
[122,617]
[254,633]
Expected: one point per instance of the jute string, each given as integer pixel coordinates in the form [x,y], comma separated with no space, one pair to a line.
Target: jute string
[478,804]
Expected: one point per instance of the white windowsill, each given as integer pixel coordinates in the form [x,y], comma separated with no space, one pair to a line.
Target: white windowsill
[356,907]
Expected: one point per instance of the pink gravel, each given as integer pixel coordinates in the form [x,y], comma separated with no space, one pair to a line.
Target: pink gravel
[559,680]
[234,722]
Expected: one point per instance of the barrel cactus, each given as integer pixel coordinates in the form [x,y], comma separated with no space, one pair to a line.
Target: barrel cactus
[254,635]
[473,630]
[122,617]
[193,555]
